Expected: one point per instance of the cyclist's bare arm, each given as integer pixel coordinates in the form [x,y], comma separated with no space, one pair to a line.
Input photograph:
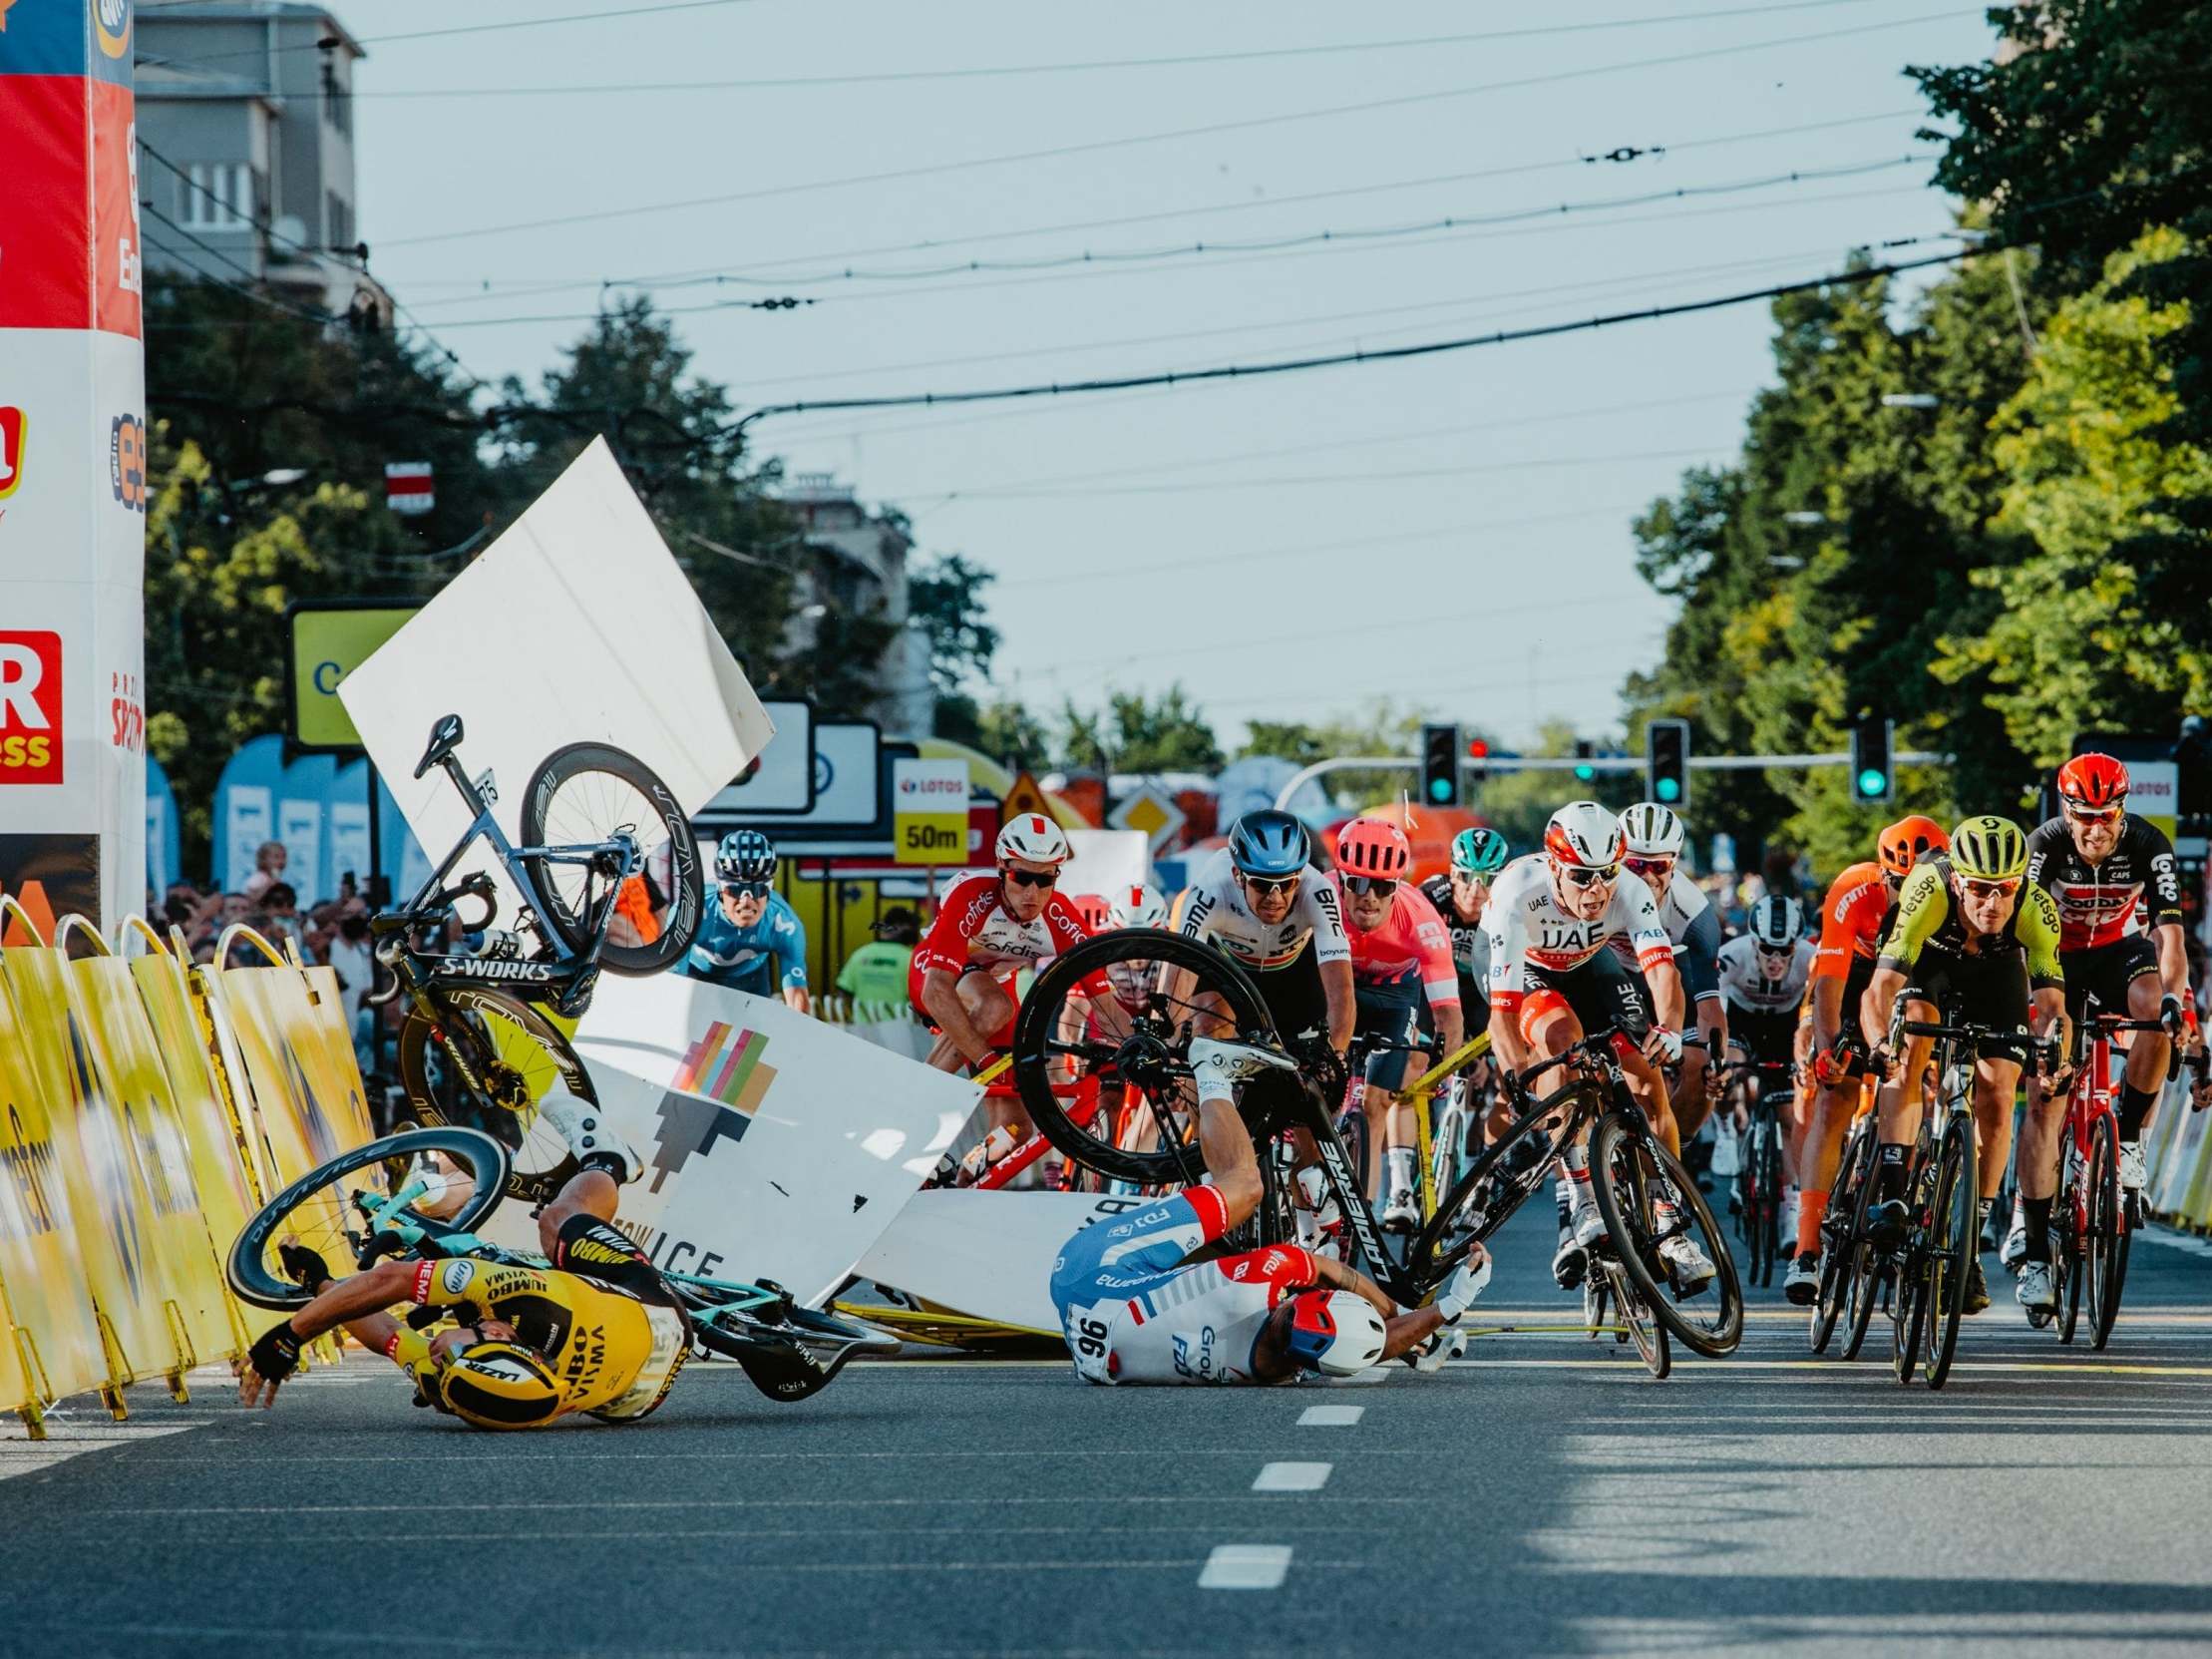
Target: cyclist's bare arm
[1666,980]
[1343,1010]
[1504,1039]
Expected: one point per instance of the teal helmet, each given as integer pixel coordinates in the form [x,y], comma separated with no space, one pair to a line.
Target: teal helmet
[1479,852]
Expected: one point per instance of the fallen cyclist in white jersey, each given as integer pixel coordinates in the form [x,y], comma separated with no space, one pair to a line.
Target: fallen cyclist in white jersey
[1135,1307]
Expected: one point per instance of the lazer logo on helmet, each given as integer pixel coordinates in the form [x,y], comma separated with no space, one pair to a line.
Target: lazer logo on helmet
[30,707]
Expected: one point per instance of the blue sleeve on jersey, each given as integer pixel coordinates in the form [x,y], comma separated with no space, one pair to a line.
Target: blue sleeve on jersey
[789,936]
[1699,960]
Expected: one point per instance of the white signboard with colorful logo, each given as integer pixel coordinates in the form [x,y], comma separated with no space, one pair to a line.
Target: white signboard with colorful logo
[774,1146]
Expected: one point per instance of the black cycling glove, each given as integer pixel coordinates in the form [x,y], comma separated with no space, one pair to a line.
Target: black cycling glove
[305,1267]
[276,1356]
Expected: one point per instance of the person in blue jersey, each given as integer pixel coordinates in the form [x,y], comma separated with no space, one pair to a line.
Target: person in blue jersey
[749,930]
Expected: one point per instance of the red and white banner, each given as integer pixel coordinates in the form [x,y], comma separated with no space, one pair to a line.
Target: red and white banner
[74,479]
[407,487]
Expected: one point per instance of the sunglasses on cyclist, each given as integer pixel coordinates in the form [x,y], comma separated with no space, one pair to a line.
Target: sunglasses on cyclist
[1585,876]
[1648,866]
[745,890]
[1031,878]
[1990,888]
[2085,815]
[1372,887]
[1266,887]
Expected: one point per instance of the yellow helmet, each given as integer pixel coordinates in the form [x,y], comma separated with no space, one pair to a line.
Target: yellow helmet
[500,1385]
[1989,849]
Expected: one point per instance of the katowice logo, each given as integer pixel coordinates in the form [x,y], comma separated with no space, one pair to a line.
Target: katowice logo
[126,461]
[11,449]
[30,707]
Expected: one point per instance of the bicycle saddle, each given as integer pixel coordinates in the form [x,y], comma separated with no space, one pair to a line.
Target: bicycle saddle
[445,738]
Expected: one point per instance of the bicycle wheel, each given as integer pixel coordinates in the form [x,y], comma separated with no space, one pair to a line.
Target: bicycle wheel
[1353,1129]
[1195,992]
[1446,1152]
[515,1054]
[1866,1265]
[322,1209]
[1646,1198]
[2068,1267]
[1649,1335]
[1955,1239]
[582,795]
[1771,1218]
[1496,1184]
[1838,1249]
[2106,1261]
[1909,1309]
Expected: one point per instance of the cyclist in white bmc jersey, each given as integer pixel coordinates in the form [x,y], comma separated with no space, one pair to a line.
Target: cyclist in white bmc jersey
[1653,837]
[1258,901]
[1551,918]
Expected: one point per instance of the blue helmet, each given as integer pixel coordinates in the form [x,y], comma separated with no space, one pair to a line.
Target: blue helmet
[1479,852]
[1269,843]
[745,855]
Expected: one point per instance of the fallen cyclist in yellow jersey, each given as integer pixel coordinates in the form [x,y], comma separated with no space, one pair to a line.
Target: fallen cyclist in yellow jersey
[595,1329]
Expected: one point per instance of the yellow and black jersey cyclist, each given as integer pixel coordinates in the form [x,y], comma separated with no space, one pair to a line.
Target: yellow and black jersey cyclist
[598,1331]
[1973,940]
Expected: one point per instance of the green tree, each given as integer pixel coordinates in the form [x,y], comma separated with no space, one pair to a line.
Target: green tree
[1137,733]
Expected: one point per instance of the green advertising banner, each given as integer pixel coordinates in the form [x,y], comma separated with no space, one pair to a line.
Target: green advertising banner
[330,640]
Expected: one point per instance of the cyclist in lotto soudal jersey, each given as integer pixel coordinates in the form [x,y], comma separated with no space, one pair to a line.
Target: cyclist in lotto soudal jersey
[1973,941]
[1552,979]
[1401,959]
[1853,918]
[1653,836]
[1135,1309]
[750,929]
[2112,876]
[1258,901]
[596,1332]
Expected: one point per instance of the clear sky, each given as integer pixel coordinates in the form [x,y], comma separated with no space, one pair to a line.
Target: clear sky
[1450,533]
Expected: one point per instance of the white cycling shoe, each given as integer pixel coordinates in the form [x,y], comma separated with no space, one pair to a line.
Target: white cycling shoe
[589,1135]
[2035,1291]
[2131,1165]
[2014,1249]
[1402,1212]
[1692,1267]
[1583,1231]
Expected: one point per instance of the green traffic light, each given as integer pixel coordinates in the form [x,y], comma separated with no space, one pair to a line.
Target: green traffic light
[1440,790]
[1873,786]
[1668,790]
[1582,774]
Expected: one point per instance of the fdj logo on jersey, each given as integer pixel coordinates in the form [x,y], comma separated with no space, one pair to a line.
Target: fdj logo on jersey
[30,707]
[126,461]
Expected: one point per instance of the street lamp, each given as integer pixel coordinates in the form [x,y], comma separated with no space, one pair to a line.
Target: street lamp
[1911,400]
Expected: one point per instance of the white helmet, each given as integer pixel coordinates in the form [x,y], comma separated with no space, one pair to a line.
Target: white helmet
[1334,1332]
[1651,830]
[1583,834]
[1776,922]
[1136,907]
[1033,837]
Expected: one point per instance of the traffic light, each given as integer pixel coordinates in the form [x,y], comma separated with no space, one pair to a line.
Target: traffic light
[1667,758]
[1871,777]
[1585,749]
[1440,766]
[1478,758]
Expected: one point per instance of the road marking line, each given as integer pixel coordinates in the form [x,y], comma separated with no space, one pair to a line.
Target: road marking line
[1627,1366]
[1245,1567]
[1330,1417]
[1292,1478]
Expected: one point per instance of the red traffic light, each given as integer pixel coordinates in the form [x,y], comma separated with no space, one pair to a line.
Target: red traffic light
[1478,748]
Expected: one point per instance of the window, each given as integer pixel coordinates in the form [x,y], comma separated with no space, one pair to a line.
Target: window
[338,219]
[337,102]
[221,196]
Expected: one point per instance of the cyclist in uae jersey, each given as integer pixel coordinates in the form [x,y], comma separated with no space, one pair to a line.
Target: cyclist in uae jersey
[1553,979]
[2112,876]
[1653,836]
[1854,916]
[1260,901]
[1400,958]
[1974,941]
[1134,1308]
[596,1332]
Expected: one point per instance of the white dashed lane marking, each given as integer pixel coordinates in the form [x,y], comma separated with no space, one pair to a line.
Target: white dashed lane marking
[1245,1567]
[1330,1417]
[1292,1478]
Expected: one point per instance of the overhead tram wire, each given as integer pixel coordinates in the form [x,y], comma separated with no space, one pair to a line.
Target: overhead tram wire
[496,289]
[623,13]
[1210,129]
[271,301]
[1186,60]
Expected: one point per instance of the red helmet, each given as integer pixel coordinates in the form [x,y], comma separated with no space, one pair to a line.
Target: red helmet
[2093,784]
[1901,845]
[1373,847]
[1093,911]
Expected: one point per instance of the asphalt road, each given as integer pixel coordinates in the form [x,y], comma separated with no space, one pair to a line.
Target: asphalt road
[1542,1496]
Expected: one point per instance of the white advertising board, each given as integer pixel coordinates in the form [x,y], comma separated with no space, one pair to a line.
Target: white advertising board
[775,1145]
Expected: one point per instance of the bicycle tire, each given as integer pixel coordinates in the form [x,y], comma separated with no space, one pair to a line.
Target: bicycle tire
[246,1268]
[2067,1265]
[540,827]
[1427,1265]
[1909,1312]
[437,1093]
[1833,1294]
[1866,1264]
[2109,1235]
[1647,1332]
[1618,1131]
[1166,1065]
[1446,1147]
[1955,1215]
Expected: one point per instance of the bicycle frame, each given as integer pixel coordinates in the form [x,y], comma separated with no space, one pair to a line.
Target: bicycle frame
[1421,1092]
[2093,1095]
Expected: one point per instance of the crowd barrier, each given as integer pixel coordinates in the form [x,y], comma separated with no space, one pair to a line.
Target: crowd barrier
[2178,1161]
[147,1109]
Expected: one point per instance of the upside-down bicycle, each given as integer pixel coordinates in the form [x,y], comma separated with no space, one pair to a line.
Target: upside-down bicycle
[1643,1193]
